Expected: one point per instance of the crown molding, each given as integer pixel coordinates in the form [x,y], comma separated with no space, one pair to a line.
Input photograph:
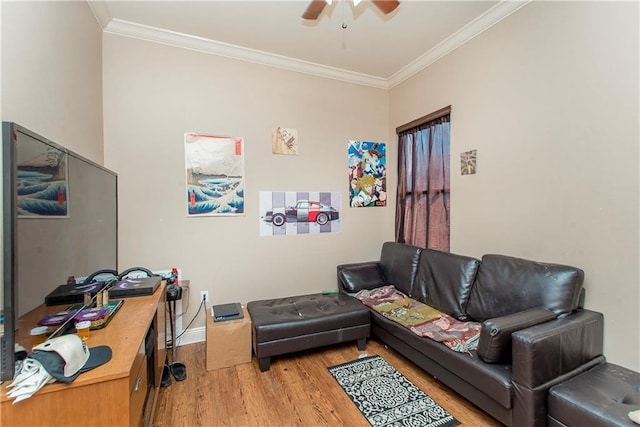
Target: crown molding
[482,23]
[100,12]
[186,41]
[171,38]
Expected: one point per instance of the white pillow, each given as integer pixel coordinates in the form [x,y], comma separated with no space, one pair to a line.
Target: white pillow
[635,416]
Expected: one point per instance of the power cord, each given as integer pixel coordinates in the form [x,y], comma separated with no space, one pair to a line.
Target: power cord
[203,303]
[185,308]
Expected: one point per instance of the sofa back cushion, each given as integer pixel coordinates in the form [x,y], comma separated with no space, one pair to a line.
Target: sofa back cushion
[399,265]
[445,280]
[353,278]
[506,285]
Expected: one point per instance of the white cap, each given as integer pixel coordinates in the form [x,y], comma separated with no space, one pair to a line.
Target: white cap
[67,356]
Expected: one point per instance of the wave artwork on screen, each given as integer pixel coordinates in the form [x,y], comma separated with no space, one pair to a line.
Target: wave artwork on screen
[41,182]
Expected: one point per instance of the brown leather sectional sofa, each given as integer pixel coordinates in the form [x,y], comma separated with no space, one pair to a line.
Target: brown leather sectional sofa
[535,333]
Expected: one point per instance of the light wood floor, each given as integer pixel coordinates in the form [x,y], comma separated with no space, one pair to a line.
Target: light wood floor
[298,390]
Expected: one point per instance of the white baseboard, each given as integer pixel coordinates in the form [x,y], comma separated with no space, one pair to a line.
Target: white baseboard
[192,336]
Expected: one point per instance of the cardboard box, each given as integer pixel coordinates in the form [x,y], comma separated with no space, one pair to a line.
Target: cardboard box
[228,342]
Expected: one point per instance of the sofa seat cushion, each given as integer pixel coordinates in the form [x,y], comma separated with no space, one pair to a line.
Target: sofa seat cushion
[493,380]
[506,285]
[444,281]
[396,306]
[422,319]
[602,396]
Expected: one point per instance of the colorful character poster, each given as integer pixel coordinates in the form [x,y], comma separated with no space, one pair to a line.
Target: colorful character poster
[284,141]
[291,212]
[367,174]
[41,181]
[215,175]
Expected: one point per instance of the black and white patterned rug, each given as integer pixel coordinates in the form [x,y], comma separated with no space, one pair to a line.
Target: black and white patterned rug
[386,398]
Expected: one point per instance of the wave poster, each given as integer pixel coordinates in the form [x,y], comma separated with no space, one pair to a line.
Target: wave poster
[215,175]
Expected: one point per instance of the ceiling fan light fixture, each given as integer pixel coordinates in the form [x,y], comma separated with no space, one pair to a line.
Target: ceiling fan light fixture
[316,7]
[355,2]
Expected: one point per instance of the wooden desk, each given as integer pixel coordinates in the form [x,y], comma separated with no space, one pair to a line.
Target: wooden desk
[114,394]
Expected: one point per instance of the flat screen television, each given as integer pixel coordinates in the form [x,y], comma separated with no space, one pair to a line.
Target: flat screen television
[60,219]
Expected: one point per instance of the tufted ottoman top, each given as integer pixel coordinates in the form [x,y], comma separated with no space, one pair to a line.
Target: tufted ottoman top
[280,318]
[602,396]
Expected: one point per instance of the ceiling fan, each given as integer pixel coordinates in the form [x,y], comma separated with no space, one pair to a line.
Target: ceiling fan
[316,7]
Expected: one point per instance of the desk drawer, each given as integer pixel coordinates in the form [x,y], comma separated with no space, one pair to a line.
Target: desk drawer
[138,394]
[137,363]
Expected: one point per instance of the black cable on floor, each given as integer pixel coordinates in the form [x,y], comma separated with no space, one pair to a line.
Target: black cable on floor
[202,303]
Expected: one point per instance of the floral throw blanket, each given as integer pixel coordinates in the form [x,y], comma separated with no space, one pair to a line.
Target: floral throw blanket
[422,319]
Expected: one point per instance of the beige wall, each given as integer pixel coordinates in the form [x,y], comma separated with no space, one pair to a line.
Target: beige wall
[549,98]
[52,73]
[155,93]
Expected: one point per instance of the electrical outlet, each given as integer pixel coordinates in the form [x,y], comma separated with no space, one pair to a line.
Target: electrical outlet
[204,295]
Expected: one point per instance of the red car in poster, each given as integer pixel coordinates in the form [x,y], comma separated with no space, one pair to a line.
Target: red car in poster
[303,211]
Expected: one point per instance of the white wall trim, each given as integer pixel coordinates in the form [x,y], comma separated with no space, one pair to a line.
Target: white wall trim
[186,41]
[192,336]
[100,12]
[482,23]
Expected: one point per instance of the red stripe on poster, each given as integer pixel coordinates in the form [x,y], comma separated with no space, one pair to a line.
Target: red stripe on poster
[199,135]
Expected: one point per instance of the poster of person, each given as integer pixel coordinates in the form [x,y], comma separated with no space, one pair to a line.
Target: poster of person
[41,181]
[299,212]
[367,174]
[215,175]
[284,141]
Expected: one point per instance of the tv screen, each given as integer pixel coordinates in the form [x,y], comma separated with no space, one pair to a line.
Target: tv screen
[59,219]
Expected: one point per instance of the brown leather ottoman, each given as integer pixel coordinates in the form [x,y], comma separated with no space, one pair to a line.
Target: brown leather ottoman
[602,396]
[286,325]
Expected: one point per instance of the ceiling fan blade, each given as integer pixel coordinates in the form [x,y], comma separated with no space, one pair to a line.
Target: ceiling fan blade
[314,9]
[386,6]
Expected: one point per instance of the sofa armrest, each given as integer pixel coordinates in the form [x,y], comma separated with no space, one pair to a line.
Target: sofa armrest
[357,276]
[494,345]
[546,351]
[548,354]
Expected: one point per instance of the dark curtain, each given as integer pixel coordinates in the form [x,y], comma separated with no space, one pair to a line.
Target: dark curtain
[422,211]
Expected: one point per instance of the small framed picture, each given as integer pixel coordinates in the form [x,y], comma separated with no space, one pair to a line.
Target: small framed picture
[284,141]
[468,162]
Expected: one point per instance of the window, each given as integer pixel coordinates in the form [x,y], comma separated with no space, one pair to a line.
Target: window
[422,211]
